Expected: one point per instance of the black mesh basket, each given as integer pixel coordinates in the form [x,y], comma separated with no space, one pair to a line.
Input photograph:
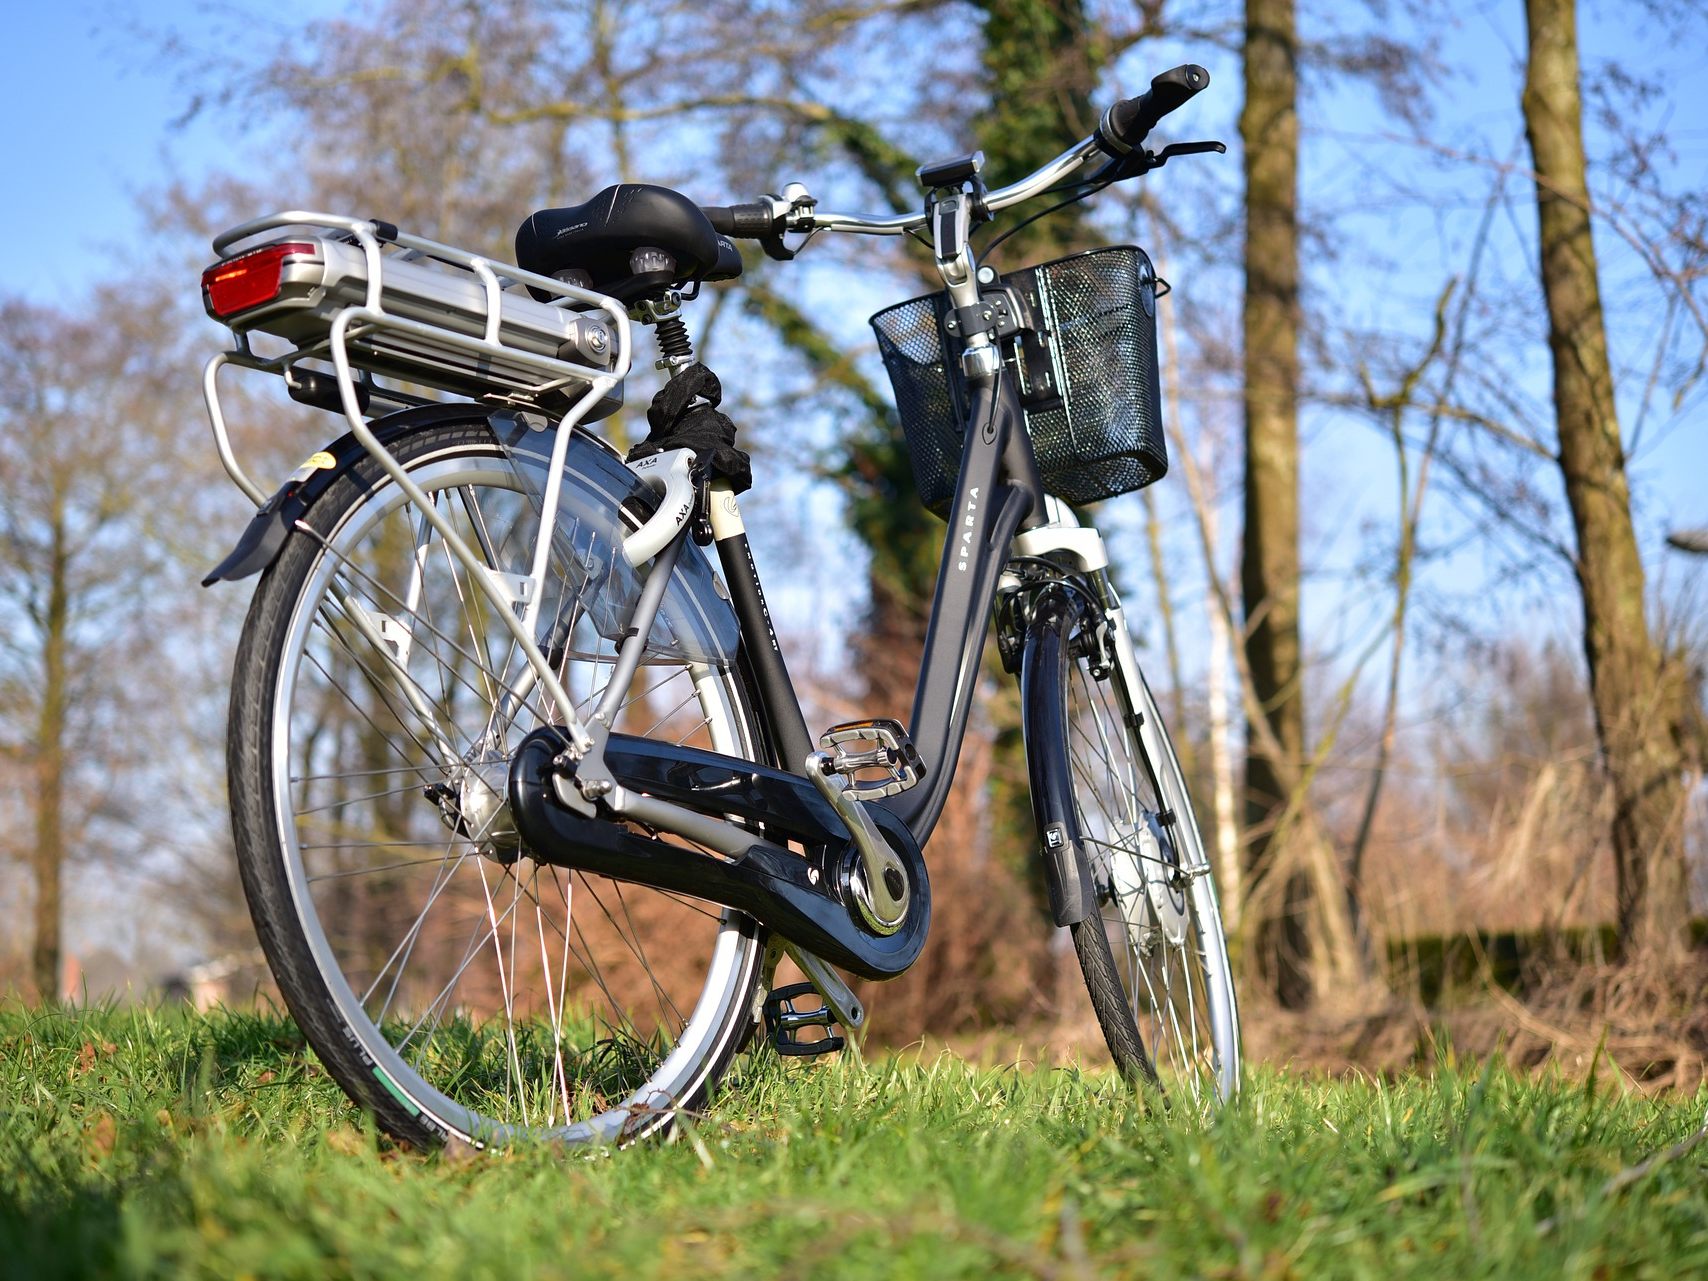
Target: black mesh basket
[1087,378]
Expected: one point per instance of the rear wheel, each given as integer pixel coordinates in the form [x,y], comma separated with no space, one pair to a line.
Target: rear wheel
[1154,957]
[451,984]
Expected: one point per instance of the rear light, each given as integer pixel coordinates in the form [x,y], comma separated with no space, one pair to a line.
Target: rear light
[249,280]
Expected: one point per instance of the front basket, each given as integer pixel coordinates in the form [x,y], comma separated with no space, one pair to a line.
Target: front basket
[1087,377]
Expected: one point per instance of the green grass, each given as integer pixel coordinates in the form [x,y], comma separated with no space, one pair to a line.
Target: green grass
[148,1144]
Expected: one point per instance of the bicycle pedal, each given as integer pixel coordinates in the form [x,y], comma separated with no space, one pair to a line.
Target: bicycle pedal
[784,1023]
[888,747]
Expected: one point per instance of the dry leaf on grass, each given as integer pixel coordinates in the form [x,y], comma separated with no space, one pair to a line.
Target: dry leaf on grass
[346,1141]
[100,1136]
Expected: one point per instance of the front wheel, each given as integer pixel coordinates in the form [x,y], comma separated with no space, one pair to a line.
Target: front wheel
[1154,957]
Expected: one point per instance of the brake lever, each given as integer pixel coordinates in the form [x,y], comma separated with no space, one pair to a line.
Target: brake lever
[1141,160]
[1188,149]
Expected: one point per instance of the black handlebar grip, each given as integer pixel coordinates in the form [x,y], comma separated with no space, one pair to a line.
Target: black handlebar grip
[1126,124]
[746,222]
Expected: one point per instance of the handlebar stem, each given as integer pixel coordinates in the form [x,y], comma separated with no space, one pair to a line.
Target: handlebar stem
[951,225]
[952,214]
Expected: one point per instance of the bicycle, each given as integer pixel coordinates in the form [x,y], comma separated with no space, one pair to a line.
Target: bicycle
[525,804]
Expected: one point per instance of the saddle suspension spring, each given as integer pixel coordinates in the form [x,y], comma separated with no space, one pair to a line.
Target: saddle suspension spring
[674,342]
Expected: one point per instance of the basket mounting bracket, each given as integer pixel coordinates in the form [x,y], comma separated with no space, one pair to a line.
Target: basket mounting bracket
[998,313]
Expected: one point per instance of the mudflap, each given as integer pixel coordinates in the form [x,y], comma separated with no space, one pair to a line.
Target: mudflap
[273,524]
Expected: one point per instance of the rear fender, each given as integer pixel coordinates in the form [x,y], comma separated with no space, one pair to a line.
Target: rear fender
[601,500]
[275,521]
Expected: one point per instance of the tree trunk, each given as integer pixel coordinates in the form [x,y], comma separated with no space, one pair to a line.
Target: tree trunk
[1229,878]
[1224,840]
[48,856]
[1269,132]
[1638,694]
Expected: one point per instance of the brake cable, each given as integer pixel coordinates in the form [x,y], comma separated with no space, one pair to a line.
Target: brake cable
[1086,191]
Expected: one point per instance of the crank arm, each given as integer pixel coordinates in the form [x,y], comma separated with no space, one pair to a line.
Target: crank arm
[837,994]
[881,891]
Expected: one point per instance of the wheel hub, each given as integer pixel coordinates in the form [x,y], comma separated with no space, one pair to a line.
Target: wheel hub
[1144,876]
[472,803]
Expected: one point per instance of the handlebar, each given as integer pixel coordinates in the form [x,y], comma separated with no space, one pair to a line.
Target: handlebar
[1122,129]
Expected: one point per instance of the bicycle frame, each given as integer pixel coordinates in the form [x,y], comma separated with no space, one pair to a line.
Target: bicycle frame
[693,793]
[976,548]
[998,493]
[450,682]
[577,775]
[1000,508]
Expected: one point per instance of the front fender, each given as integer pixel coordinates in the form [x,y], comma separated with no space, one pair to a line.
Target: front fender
[1043,700]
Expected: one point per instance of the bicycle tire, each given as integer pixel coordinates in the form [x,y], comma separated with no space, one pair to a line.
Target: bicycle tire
[312,685]
[1153,956]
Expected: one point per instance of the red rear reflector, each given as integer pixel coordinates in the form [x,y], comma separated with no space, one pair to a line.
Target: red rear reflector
[241,283]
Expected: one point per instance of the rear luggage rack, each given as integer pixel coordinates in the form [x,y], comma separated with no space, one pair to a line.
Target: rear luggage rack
[371,300]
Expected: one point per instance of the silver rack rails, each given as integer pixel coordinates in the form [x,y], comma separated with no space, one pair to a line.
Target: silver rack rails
[371,300]
[437,316]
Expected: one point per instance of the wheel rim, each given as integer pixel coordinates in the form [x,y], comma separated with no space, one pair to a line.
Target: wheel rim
[1155,894]
[501,998]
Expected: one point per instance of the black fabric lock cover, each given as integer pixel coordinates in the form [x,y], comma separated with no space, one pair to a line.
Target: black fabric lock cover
[684,415]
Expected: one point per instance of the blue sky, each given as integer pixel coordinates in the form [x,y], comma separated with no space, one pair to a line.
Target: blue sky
[91,112]
[85,131]
[90,124]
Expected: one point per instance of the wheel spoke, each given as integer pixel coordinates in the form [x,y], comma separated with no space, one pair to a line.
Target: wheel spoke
[406,946]
[439,636]
[507,989]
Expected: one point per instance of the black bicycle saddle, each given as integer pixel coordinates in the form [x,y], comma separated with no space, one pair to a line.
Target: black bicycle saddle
[600,236]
